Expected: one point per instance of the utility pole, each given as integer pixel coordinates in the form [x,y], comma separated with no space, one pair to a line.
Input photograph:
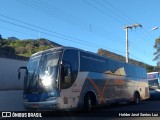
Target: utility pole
[126,28]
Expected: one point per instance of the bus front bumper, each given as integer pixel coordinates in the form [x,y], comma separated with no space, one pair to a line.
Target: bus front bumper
[45,105]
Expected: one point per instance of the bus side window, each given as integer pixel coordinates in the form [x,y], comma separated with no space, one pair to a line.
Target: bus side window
[69,68]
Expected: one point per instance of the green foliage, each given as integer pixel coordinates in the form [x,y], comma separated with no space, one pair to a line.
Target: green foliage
[25,47]
[7,49]
[157,47]
[1,37]
[157,53]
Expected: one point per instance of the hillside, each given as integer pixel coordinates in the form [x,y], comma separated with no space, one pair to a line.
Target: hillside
[25,47]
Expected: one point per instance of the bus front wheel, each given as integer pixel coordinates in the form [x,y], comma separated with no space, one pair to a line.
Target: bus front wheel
[89,101]
[136,98]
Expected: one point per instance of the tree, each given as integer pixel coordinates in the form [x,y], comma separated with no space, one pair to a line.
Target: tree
[157,53]
[1,37]
[8,49]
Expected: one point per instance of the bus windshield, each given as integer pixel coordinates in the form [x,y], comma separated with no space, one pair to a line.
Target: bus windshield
[153,84]
[153,81]
[42,72]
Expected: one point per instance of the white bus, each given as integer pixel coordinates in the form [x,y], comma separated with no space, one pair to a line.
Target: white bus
[66,77]
[154,84]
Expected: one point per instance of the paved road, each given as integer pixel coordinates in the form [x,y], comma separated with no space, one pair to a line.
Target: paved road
[146,108]
[149,105]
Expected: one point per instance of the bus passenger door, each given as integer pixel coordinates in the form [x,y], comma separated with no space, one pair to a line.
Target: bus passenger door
[69,71]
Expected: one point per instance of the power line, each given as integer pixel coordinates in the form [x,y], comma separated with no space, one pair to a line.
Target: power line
[1,27]
[125,15]
[41,32]
[137,57]
[38,27]
[68,15]
[48,11]
[49,30]
[61,12]
[105,13]
[79,42]
[114,12]
[146,42]
[119,11]
[102,5]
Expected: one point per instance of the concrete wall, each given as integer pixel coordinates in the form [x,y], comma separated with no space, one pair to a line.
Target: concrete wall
[9,74]
[11,89]
[11,100]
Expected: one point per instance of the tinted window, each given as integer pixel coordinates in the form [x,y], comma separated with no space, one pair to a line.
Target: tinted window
[92,63]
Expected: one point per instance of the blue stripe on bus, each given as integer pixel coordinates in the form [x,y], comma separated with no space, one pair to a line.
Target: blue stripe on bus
[36,97]
[39,97]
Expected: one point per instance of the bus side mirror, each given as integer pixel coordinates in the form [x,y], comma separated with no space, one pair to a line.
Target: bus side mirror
[19,72]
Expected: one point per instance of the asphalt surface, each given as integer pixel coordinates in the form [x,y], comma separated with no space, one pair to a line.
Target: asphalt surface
[146,110]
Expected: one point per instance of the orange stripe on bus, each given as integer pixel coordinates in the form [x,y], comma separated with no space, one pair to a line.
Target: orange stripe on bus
[104,87]
[97,89]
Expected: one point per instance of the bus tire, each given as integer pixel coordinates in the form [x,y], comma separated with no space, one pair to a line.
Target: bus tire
[136,98]
[89,101]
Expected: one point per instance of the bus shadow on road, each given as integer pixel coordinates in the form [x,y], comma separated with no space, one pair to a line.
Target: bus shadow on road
[154,98]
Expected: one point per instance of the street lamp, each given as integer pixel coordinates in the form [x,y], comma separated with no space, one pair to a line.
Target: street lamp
[154,28]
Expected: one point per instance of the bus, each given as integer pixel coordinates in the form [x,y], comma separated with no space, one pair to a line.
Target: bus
[154,84]
[67,77]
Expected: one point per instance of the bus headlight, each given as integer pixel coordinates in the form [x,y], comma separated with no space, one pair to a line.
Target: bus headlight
[47,81]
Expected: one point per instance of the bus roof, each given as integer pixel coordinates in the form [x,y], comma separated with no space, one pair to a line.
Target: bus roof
[51,49]
[152,72]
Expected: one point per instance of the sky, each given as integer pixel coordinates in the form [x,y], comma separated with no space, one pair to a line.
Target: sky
[86,24]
